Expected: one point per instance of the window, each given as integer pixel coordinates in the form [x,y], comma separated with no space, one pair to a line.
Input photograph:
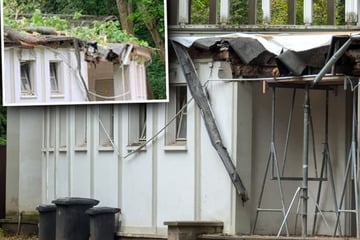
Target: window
[54,77]
[142,122]
[27,78]
[177,115]
[49,128]
[63,127]
[106,125]
[80,127]
[181,110]
[137,125]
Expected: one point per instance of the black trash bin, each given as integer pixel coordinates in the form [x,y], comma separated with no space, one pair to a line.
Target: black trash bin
[72,223]
[47,221]
[102,223]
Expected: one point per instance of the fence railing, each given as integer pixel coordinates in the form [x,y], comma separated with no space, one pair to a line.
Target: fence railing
[219,12]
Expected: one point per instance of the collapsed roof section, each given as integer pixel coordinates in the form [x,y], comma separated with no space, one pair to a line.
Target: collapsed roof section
[277,56]
[94,52]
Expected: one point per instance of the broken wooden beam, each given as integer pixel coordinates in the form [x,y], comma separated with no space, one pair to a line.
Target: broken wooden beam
[201,100]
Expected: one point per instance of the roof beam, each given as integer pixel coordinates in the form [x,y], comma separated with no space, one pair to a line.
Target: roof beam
[202,101]
[332,60]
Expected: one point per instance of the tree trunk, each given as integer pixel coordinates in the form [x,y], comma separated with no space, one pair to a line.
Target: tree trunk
[151,25]
[159,41]
[25,38]
[125,9]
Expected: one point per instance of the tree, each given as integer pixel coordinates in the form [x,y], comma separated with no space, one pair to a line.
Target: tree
[142,18]
[239,12]
[125,9]
[149,13]
[133,15]
[153,17]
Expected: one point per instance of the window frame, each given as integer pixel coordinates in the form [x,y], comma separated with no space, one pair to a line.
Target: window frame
[176,103]
[180,120]
[137,125]
[81,119]
[106,126]
[30,89]
[58,78]
[142,123]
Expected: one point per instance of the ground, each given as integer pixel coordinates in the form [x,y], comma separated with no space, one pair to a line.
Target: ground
[18,238]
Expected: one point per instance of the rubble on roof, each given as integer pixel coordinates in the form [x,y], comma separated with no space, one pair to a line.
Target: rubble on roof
[14,37]
[274,55]
[43,36]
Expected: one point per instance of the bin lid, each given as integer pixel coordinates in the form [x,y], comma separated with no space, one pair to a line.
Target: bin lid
[75,201]
[102,210]
[46,208]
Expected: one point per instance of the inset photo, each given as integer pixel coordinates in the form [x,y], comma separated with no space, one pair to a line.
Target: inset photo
[84,52]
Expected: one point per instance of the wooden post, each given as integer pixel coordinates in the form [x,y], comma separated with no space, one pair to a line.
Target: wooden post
[292,12]
[331,12]
[173,12]
[213,11]
[252,11]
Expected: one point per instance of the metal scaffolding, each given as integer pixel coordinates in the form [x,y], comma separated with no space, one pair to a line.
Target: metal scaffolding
[302,192]
[351,167]
[274,161]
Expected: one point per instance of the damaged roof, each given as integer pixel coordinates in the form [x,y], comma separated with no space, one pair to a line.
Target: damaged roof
[94,52]
[279,55]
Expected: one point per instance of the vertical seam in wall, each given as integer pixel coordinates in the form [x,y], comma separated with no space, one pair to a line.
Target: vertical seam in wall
[197,149]
[93,113]
[71,141]
[119,157]
[56,147]
[47,137]
[154,150]
[234,155]
[43,157]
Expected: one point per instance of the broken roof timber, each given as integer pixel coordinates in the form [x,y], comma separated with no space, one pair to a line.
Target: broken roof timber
[282,57]
[14,37]
[328,78]
[202,101]
[94,52]
[335,57]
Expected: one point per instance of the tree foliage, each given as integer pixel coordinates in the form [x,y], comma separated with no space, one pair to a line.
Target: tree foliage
[279,14]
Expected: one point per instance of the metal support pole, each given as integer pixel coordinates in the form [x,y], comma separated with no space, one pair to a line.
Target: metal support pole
[305,164]
[325,166]
[273,126]
[288,131]
[351,164]
[355,168]
[324,160]
[274,158]
[332,61]
[275,171]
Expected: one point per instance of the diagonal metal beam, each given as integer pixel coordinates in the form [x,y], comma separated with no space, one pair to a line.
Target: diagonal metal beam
[211,127]
[338,54]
